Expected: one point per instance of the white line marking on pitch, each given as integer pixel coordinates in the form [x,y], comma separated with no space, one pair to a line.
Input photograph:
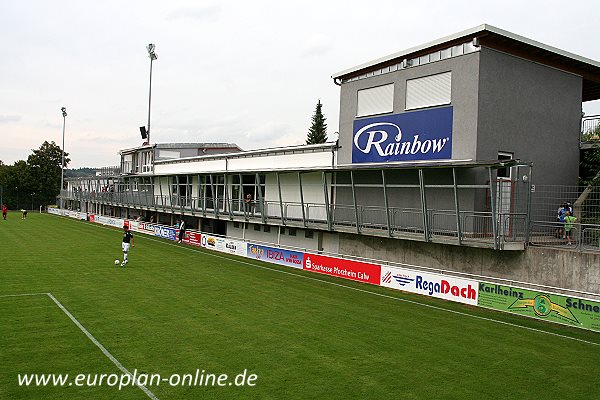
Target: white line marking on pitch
[23,294]
[89,335]
[210,253]
[102,348]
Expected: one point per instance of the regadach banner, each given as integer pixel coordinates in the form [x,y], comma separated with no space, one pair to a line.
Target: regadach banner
[564,310]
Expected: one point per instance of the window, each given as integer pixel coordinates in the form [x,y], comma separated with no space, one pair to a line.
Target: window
[292,231]
[236,224]
[168,154]
[428,91]
[376,100]
[309,234]
[146,161]
[266,228]
[504,173]
[257,227]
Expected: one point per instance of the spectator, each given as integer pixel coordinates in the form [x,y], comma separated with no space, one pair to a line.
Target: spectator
[569,222]
[248,203]
[181,231]
[560,217]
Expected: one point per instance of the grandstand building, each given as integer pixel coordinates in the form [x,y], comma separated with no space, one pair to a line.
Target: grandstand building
[441,143]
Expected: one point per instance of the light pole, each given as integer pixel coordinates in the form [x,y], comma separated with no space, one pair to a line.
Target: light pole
[32,194]
[153,57]
[62,164]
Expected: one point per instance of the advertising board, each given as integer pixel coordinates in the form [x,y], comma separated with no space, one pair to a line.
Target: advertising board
[435,285]
[557,308]
[273,255]
[116,222]
[342,268]
[165,232]
[224,245]
[417,135]
[192,238]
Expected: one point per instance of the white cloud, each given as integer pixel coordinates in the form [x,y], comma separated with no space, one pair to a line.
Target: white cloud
[4,119]
[238,71]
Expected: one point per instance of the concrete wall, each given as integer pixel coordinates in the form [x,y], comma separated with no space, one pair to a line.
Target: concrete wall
[299,240]
[544,266]
[533,111]
[465,80]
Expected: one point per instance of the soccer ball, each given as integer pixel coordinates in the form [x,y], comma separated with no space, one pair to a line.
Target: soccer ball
[116,262]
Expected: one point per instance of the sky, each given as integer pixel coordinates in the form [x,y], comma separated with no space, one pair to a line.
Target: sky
[244,72]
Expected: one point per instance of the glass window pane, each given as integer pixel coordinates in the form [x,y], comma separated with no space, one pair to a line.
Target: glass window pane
[457,50]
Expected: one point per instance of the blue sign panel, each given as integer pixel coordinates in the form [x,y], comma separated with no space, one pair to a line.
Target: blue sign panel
[164,232]
[417,135]
[289,258]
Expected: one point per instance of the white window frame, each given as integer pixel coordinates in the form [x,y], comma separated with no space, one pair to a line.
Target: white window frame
[439,87]
[375,100]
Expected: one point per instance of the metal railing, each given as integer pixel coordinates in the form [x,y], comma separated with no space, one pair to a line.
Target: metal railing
[585,237]
[590,129]
[470,227]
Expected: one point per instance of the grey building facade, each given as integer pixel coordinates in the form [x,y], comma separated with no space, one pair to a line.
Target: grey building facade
[441,144]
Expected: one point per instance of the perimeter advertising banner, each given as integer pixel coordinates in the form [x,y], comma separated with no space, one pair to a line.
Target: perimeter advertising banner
[430,284]
[342,268]
[417,135]
[116,222]
[545,306]
[192,238]
[224,245]
[272,255]
[145,227]
[165,232]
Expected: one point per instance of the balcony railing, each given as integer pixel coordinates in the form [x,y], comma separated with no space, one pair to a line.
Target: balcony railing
[443,226]
[590,129]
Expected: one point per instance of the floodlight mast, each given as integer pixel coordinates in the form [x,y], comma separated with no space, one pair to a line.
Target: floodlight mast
[62,164]
[153,57]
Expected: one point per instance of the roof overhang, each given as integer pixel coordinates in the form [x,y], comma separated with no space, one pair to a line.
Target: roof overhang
[416,165]
[499,39]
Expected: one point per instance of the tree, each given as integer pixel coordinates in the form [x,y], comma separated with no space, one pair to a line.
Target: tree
[317,133]
[45,171]
[16,184]
[589,166]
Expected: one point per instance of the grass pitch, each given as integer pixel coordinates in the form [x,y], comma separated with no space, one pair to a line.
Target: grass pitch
[177,309]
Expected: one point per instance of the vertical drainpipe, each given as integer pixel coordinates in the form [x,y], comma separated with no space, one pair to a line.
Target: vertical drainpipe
[326,197]
[354,201]
[387,206]
[424,206]
[528,215]
[301,199]
[456,207]
[178,196]
[214,196]
[493,207]
[280,201]
[241,198]
[202,184]
[162,200]
[260,199]
[226,200]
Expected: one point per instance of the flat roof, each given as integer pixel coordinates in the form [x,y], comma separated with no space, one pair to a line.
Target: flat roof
[182,146]
[305,148]
[500,39]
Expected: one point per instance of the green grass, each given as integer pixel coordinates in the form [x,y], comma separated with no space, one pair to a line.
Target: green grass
[176,309]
